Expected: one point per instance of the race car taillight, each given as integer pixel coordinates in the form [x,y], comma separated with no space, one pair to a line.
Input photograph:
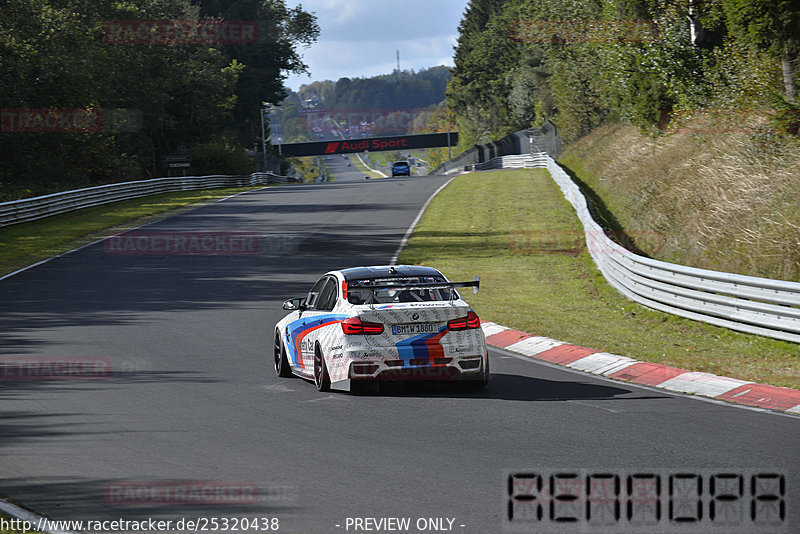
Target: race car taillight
[354,325]
[464,323]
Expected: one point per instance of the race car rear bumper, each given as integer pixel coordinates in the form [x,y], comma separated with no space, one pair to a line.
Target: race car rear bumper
[461,368]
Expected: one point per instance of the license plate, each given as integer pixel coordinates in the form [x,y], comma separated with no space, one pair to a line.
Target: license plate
[415,328]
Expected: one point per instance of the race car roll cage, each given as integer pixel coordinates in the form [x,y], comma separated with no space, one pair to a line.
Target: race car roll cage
[299,303]
[373,289]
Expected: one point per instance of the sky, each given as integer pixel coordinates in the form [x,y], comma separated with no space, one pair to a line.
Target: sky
[359,37]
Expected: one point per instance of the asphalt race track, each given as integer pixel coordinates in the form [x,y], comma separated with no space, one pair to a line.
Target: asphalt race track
[191,397]
[340,171]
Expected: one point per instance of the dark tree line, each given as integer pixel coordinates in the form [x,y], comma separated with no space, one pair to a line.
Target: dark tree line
[404,89]
[153,93]
[397,102]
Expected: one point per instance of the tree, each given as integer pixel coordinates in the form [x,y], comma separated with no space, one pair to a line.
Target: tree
[772,26]
[58,54]
[484,54]
[282,30]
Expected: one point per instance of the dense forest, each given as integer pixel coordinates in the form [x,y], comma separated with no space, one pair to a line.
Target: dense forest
[654,63]
[98,90]
[401,89]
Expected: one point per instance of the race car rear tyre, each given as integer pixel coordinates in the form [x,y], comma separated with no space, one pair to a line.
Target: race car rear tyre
[321,378]
[281,362]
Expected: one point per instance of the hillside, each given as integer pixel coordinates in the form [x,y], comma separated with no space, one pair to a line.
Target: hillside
[399,90]
[722,200]
[389,104]
[586,63]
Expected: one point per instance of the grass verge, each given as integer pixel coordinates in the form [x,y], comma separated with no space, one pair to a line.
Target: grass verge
[363,168]
[518,233]
[26,243]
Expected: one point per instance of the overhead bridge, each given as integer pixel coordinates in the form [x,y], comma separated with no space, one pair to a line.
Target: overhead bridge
[372,144]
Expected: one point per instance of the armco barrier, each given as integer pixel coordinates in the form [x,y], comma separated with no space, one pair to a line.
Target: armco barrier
[520,161]
[30,209]
[745,303]
[544,139]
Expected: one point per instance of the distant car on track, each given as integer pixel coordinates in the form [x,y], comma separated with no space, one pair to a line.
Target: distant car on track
[369,324]
[401,168]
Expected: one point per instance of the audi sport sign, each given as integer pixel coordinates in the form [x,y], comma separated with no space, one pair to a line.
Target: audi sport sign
[373,144]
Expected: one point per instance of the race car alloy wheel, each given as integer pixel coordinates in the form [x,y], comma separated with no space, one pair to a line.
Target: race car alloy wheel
[282,368]
[321,378]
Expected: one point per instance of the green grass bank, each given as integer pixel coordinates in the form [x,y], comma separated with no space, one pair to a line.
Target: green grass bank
[518,233]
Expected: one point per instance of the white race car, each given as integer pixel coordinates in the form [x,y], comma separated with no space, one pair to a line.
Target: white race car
[382,323]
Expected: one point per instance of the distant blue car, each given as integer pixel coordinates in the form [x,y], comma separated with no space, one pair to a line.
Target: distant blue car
[401,168]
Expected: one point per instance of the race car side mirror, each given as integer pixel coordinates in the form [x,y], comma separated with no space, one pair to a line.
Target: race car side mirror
[293,304]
